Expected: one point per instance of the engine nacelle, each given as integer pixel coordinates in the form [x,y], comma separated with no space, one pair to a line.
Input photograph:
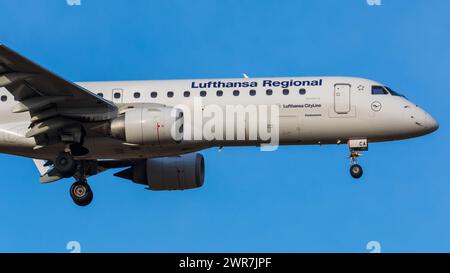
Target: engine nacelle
[168,173]
[153,126]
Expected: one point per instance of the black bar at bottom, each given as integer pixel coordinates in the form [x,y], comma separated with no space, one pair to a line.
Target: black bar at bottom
[245,262]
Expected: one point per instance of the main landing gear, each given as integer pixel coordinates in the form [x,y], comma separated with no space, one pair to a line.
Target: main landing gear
[356,171]
[67,166]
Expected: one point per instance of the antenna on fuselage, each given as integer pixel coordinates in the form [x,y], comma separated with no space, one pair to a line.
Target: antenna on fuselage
[245,75]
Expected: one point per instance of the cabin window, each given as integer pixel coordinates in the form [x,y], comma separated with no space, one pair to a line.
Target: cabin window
[153,94]
[285,92]
[236,93]
[252,92]
[100,94]
[219,93]
[117,95]
[187,94]
[202,93]
[137,95]
[379,90]
[302,91]
[4,98]
[269,92]
[170,94]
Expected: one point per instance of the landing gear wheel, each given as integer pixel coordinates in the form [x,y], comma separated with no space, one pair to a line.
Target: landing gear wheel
[356,171]
[65,165]
[81,193]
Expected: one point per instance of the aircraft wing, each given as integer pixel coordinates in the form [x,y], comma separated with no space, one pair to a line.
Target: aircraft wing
[52,102]
[36,88]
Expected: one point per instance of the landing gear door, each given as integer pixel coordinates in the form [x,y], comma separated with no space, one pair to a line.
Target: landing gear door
[342,98]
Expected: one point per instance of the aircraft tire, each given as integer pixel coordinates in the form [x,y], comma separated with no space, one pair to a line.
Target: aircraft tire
[356,171]
[65,165]
[81,193]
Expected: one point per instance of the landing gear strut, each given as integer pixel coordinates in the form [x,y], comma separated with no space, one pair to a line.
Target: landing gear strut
[356,170]
[66,166]
[356,145]
[80,191]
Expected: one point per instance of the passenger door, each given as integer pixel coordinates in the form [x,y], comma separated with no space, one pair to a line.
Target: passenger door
[342,96]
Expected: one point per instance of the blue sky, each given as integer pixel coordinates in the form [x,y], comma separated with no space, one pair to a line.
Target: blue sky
[298,199]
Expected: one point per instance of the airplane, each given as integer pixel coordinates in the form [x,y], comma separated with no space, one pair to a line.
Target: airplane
[147,130]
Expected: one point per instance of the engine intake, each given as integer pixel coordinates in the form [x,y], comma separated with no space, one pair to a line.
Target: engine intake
[154,126]
[168,173]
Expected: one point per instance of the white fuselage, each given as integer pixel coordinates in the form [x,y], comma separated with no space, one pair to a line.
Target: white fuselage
[327,110]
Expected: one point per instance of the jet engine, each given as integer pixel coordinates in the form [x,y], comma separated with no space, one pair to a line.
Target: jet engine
[150,126]
[168,173]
